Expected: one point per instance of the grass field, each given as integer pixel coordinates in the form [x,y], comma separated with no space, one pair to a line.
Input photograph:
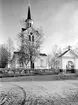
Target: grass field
[50,92]
[41,78]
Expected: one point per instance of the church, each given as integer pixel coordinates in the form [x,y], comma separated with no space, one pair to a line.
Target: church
[68,60]
[41,61]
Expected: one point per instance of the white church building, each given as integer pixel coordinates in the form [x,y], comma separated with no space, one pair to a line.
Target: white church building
[41,60]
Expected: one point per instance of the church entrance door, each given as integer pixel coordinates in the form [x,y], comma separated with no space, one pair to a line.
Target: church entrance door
[70,67]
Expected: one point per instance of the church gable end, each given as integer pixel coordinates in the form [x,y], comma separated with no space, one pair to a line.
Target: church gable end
[69,54]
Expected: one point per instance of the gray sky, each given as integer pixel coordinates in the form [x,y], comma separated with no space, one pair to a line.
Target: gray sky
[58,19]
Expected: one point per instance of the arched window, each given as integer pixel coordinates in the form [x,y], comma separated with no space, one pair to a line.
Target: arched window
[41,62]
[70,64]
[33,38]
[70,67]
[29,37]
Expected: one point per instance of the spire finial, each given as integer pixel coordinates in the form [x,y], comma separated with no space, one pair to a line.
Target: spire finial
[29,3]
[69,47]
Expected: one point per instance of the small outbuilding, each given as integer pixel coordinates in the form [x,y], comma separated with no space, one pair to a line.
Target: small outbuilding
[69,61]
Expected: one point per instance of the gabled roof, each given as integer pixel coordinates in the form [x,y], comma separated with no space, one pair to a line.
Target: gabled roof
[19,53]
[63,53]
[72,51]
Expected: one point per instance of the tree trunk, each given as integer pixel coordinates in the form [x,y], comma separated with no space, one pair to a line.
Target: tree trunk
[32,65]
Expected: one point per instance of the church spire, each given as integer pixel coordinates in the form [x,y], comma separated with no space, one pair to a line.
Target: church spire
[29,13]
[29,21]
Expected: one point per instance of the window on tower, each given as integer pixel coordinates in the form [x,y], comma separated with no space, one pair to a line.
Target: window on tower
[33,38]
[29,37]
[30,24]
[31,33]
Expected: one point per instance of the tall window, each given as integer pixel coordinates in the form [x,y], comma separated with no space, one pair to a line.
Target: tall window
[29,37]
[33,38]
[29,25]
[41,62]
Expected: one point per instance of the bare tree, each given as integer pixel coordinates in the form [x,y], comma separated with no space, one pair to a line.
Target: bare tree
[31,41]
[53,60]
[10,48]
[3,56]
[56,51]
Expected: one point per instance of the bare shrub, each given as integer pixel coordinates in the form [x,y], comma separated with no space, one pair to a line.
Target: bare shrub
[71,95]
[13,96]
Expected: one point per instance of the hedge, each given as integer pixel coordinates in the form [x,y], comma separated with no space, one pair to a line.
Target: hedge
[31,72]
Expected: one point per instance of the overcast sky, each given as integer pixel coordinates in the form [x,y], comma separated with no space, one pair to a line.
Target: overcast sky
[58,19]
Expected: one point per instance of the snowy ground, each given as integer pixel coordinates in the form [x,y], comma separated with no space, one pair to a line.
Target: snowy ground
[67,89]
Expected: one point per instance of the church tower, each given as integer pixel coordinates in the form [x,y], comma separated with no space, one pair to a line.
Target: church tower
[29,24]
[30,34]
[29,21]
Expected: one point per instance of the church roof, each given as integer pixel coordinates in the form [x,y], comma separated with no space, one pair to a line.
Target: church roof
[41,54]
[69,49]
[63,53]
[28,20]
[29,13]
[18,52]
